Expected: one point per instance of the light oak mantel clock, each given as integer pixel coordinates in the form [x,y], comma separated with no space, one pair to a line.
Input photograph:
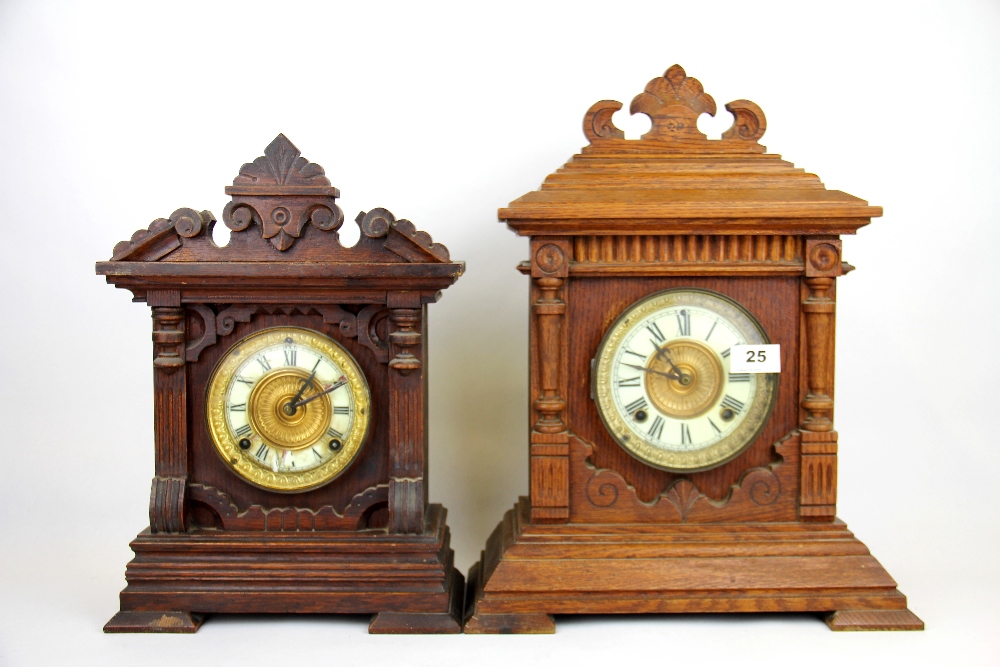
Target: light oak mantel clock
[289,408]
[663,476]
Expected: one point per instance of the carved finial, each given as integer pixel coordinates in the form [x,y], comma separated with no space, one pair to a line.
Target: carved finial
[281,164]
[673,103]
[282,191]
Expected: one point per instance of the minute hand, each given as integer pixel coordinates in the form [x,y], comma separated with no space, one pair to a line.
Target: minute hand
[665,355]
[672,376]
[336,385]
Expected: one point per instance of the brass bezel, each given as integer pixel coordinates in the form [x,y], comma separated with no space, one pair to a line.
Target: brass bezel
[723,451]
[243,463]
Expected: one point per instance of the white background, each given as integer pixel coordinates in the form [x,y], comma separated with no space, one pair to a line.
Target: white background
[116,114]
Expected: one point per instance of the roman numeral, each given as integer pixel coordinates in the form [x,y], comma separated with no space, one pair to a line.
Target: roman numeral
[732,403]
[739,377]
[637,404]
[334,433]
[656,428]
[655,330]
[713,425]
[239,407]
[685,434]
[635,354]
[684,323]
[245,381]
[341,410]
[262,360]
[629,382]
[316,454]
[290,356]
[244,431]
[725,353]
[711,330]
[261,452]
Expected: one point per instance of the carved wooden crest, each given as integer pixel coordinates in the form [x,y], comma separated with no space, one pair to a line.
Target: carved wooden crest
[673,103]
[286,200]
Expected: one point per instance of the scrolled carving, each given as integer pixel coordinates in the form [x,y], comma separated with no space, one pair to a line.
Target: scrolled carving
[367,323]
[226,320]
[257,517]
[762,485]
[237,216]
[208,336]
[603,492]
[283,192]
[190,223]
[326,218]
[376,222]
[612,497]
[335,315]
[749,122]
[673,103]
[598,123]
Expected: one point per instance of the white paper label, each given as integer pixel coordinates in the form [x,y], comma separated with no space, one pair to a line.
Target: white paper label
[755,359]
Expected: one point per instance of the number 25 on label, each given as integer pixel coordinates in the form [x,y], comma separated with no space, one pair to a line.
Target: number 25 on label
[755,359]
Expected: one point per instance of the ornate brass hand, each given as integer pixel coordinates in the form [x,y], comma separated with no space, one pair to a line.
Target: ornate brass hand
[664,354]
[672,376]
[290,406]
[336,385]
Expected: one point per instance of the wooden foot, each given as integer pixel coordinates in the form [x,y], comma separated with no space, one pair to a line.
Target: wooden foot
[510,624]
[401,623]
[396,623]
[180,622]
[874,619]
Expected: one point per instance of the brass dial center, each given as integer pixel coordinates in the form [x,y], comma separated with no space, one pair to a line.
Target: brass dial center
[269,409]
[696,390]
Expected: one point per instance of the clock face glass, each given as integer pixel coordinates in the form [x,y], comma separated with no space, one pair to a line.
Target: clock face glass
[663,387]
[288,409]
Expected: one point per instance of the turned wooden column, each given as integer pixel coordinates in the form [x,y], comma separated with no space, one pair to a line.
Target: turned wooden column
[818,481]
[549,463]
[166,499]
[407,433]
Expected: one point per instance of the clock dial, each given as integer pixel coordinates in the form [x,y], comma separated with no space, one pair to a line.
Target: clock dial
[662,382]
[288,409]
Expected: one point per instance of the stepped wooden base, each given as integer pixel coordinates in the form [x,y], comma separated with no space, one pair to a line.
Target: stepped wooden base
[530,571]
[407,581]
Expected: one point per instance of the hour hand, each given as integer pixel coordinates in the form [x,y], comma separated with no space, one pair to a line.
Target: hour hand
[672,376]
[664,354]
[336,385]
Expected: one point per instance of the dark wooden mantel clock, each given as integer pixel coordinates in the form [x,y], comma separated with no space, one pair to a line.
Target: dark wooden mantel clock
[666,473]
[289,412]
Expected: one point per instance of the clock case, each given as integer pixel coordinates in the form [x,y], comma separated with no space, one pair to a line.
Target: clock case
[601,532]
[366,543]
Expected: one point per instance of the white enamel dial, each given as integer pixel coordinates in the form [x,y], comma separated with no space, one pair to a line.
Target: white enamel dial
[288,408]
[663,386]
